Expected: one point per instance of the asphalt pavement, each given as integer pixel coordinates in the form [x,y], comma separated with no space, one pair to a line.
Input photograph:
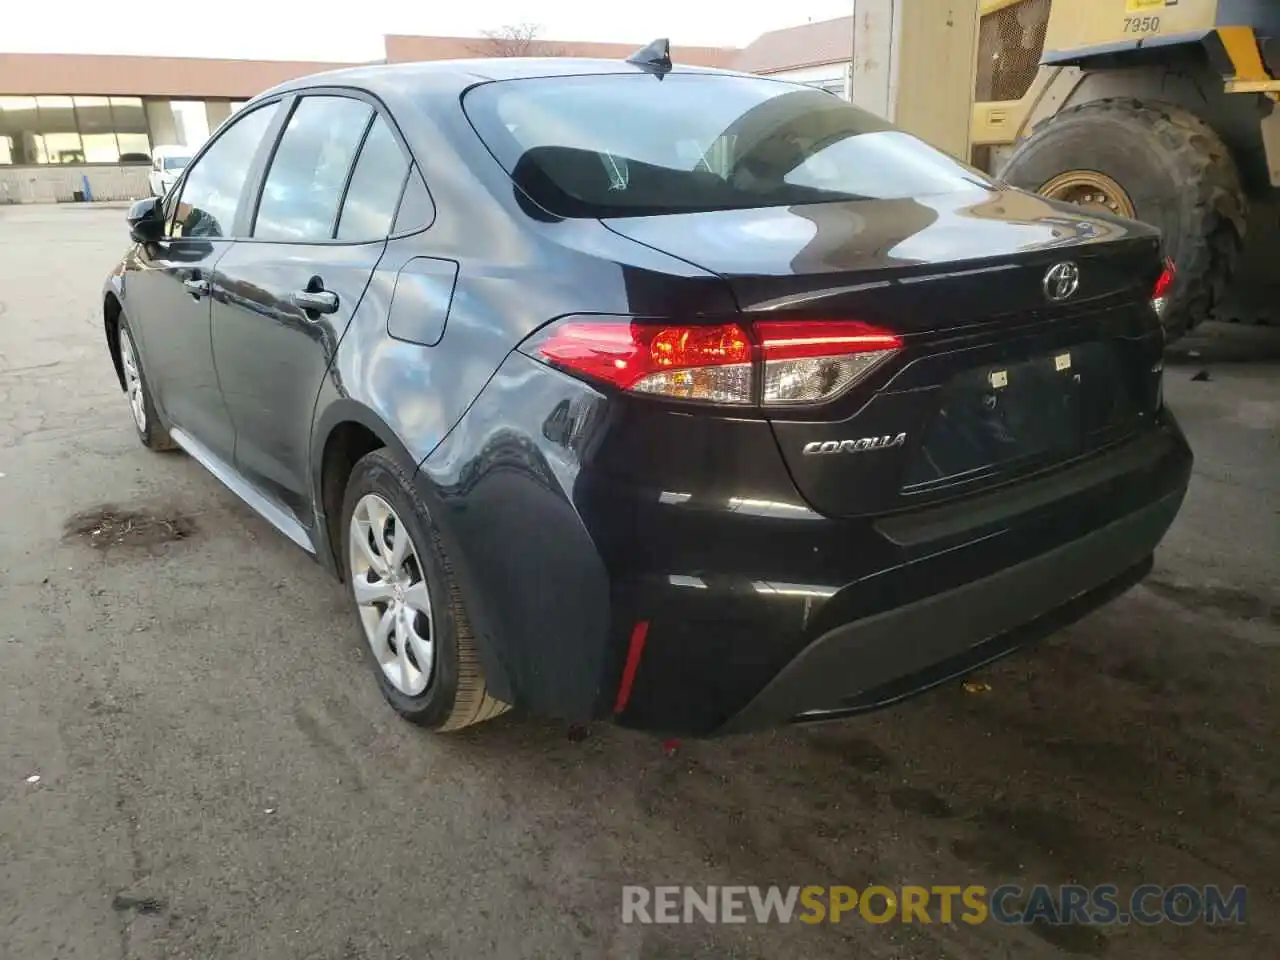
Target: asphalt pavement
[195,761]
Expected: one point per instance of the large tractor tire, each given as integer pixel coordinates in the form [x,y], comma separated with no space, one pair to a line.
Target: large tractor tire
[1152,162]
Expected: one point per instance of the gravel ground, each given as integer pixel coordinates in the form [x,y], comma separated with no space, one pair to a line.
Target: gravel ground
[218,776]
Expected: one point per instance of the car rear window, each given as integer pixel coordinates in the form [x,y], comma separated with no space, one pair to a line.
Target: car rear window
[616,145]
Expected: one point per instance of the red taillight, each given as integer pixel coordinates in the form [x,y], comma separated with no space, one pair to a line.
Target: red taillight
[688,362]
[792,341]
[802,362]
[1161,293]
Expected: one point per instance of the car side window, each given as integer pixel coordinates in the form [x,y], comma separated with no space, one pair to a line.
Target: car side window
[416,209]
[212,188]
[303,187]
[374,191]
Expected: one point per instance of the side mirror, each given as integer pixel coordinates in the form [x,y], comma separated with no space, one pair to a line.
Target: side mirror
[146,220]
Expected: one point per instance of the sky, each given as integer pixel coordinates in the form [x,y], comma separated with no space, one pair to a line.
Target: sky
[290,30]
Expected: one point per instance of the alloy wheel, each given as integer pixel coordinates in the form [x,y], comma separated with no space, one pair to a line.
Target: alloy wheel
[391,594]
[133,380]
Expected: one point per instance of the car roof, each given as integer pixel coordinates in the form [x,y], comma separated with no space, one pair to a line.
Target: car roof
[457,75]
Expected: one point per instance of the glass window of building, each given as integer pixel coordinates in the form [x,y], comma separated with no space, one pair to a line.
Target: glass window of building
[130,123]
[134,147]
[56,123]
[178,123]
[18,130]
[97,132]
[73,130]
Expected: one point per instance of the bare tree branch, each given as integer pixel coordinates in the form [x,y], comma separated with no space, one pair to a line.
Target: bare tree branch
[515,40]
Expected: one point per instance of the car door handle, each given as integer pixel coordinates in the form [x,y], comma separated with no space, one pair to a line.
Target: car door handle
[197,288]
[316,301]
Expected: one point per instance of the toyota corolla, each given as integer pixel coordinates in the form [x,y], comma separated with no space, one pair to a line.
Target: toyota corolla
[700,401]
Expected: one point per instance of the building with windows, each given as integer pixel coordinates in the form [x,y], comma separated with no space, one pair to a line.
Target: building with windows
[73,127]
[76,127]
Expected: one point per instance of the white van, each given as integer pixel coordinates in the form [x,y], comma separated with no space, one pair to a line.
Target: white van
[167,163]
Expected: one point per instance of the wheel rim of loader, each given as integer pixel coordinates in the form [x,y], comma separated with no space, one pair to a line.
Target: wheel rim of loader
[1090,189]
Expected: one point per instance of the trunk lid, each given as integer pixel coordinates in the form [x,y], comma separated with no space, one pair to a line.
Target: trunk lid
[996,378]
[912,265]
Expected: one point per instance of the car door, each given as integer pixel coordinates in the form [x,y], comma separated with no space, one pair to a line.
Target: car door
[286,294]
[168,297]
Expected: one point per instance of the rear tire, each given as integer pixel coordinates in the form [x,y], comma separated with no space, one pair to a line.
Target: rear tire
[1178,174]
[441,646]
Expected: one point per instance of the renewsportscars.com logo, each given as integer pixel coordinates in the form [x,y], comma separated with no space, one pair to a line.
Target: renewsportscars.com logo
[1068,905]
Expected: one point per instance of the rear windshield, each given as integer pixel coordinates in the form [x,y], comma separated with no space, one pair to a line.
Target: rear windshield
[617,145]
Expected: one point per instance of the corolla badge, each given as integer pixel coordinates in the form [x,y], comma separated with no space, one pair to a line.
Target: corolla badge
[862,445]
[1062,281]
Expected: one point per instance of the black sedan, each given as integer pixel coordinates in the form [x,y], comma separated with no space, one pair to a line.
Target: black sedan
[696,400]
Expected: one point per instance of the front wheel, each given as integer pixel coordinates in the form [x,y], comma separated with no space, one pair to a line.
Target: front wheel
[408,606]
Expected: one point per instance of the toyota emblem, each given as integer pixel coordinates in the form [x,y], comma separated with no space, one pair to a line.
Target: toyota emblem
[1062,281]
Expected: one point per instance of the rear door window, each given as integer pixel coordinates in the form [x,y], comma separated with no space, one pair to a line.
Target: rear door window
[370,204]
[304,184]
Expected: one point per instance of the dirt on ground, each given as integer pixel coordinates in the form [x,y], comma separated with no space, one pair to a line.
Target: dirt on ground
[110,526]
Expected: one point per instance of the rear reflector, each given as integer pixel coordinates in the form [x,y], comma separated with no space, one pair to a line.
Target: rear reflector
[800,361]
[1160,295]
[634,649]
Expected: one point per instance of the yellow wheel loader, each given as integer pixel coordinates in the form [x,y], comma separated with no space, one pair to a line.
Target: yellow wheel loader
[1162,110]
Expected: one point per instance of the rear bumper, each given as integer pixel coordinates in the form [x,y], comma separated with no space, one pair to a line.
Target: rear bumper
[883,658]
[572,518]
[883,609]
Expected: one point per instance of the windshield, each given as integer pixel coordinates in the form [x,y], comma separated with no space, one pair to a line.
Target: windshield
[175,163]
[631,145]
